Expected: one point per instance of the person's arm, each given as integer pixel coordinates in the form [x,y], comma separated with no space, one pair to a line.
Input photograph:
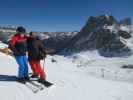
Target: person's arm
[42,48]
[49,51]
[12,44]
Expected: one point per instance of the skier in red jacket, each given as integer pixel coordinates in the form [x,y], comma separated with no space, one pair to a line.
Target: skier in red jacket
[18,46]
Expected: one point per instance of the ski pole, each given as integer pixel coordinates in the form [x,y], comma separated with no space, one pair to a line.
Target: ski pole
[43,64]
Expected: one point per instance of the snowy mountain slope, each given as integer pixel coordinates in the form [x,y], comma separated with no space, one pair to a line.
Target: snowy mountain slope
[109,68]
[126,28]
[71,83]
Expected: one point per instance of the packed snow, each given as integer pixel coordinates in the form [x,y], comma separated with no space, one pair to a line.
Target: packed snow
[2,45]
[126,28]
[70,82]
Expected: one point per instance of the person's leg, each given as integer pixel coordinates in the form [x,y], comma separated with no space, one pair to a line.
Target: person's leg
[25,61]
[40,71]
[33,67]
[19,60]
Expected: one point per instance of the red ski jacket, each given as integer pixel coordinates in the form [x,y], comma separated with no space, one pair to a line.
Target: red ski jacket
[18,45]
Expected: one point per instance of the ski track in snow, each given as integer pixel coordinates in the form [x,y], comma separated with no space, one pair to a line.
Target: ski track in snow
[70,83]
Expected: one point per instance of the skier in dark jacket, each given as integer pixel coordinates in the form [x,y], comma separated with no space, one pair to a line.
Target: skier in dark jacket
[36,52]
[19,47]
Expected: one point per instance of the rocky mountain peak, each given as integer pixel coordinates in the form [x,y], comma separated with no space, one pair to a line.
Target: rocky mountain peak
[94,36]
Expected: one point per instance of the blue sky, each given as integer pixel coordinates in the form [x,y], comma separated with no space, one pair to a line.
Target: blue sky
[59,15]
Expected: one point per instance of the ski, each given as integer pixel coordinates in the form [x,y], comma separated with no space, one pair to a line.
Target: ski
[36,85]
[31,87]
[45,83]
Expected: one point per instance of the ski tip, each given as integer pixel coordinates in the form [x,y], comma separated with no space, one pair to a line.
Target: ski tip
[49,85]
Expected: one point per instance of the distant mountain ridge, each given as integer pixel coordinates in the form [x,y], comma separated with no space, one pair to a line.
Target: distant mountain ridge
[103,33]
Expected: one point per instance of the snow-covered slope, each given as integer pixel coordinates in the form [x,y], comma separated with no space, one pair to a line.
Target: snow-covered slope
[2,45]
[71,83]
[108,68]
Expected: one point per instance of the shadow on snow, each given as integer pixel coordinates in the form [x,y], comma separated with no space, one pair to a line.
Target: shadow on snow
[9,78]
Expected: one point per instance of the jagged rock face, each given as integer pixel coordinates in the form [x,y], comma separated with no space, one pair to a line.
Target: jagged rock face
[114,48]
[98,22]
[124,34]
[94,36]
[126,21]
[94,40]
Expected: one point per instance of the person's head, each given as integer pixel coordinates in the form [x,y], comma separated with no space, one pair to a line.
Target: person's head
[21,30]
[33,34]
